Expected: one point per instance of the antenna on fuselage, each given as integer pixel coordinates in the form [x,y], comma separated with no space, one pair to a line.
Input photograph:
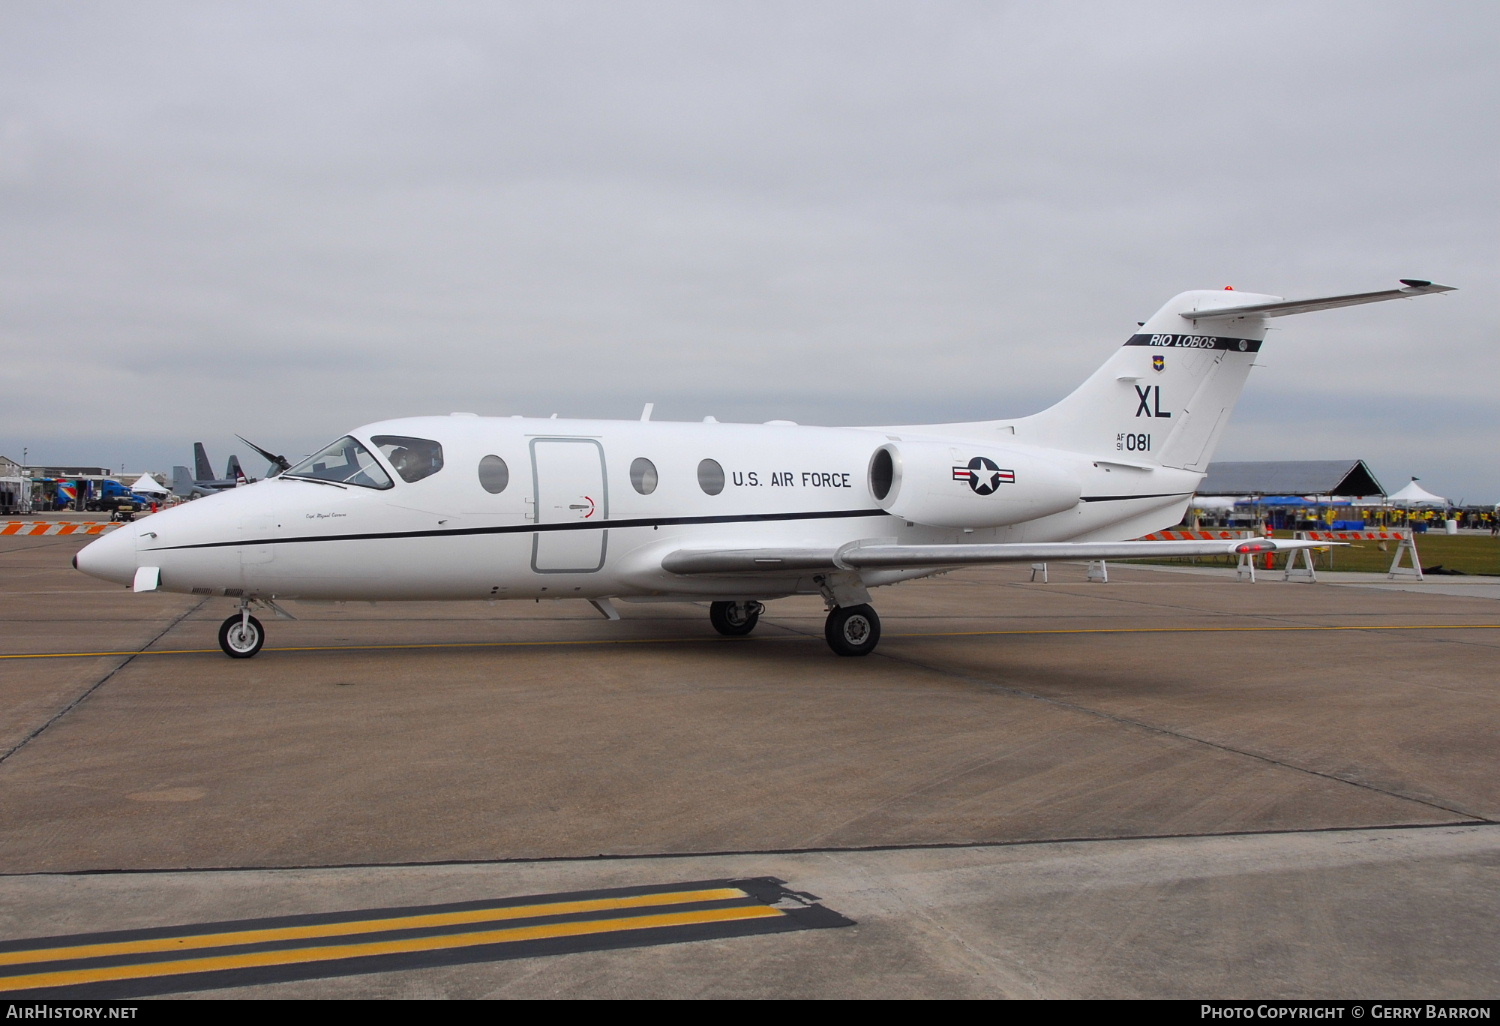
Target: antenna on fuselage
[646,413]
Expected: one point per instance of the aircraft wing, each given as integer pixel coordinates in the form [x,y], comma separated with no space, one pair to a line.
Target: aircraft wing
[722,562]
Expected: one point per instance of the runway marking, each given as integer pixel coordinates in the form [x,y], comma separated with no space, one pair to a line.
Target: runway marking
[707,639]
[141,962]
[1223,630]
[481,915]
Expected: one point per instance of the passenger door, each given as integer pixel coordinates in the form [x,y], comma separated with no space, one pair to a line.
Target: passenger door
[571,498]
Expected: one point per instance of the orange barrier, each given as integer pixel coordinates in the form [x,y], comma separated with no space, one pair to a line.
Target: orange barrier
[36,527]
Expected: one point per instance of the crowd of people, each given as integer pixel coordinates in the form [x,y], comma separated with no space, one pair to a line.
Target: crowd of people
[1314,517]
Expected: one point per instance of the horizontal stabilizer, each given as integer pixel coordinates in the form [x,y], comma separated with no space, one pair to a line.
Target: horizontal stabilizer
[722,562]
[1412,287]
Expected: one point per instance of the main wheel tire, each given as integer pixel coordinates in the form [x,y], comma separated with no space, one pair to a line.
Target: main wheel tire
[734,619]
[852,630]
[240,638]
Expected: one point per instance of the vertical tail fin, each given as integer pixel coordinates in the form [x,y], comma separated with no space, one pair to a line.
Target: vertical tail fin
[1165,396]
[201,469]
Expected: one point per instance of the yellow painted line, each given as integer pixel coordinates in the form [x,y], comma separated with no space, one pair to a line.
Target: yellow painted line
[708,639]
[296,956]
[1219,630]
[382,648]
[352,927]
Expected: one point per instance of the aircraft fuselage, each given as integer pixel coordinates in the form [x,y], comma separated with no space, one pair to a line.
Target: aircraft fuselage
[573,521]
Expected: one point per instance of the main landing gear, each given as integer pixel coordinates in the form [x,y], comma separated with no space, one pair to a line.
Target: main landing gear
[849,630]
[241,635]
[852,630]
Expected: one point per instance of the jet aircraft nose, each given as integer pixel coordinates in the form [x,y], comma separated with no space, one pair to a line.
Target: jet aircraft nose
[110,558]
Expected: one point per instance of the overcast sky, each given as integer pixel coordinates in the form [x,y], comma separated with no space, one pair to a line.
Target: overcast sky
[284,220]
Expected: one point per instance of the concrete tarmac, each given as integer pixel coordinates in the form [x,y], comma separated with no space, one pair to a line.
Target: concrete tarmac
[1167,785]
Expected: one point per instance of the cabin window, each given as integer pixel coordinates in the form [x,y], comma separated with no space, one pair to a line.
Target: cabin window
[711,477]
[643,475]
[412,458]
[494,475]
[345,462]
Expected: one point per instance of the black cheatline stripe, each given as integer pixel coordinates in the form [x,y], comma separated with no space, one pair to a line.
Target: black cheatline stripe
[1189,340]
[603,525]
[1127,498]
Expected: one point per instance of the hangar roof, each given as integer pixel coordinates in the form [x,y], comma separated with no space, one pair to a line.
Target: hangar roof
[1291,477]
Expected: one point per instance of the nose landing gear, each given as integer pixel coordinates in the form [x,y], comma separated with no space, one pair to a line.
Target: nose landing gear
[241,636]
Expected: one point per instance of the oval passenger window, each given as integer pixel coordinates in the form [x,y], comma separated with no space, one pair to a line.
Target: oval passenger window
[643,475]
[494,475]
[710,477]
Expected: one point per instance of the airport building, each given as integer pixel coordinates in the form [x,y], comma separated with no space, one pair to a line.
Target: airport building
[27,488]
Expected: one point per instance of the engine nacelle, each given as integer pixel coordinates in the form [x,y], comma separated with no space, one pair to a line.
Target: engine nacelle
[940,484]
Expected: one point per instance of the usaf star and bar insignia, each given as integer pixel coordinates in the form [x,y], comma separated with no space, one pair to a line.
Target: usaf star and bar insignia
[983,475]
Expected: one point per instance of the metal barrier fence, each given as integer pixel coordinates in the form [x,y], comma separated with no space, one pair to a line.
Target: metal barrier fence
[1406,548]
[1404,537]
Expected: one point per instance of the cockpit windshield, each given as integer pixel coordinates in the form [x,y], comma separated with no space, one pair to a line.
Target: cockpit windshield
[413,458]
[345,462]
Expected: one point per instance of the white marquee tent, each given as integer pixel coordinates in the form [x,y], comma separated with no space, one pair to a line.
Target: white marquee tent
[1415,495]
[148,485]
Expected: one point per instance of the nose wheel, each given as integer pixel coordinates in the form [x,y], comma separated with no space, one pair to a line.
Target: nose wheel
[241,636]
[734,619]
[852,630]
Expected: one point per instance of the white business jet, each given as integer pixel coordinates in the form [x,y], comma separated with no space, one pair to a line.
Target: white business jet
[467,507]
